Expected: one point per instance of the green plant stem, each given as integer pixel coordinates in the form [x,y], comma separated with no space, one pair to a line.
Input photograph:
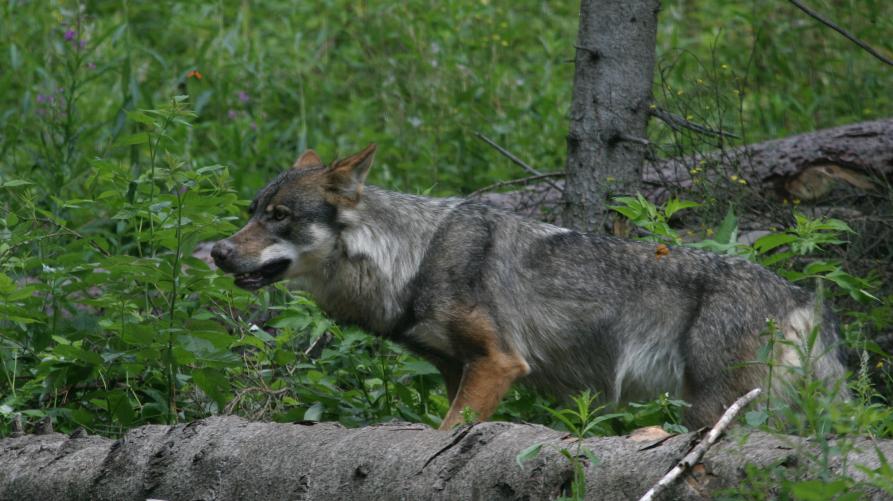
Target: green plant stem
[175,278]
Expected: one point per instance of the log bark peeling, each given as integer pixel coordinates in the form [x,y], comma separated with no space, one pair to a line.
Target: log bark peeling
[230,458]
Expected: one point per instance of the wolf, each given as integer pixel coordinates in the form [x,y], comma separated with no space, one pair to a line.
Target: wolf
[491,298]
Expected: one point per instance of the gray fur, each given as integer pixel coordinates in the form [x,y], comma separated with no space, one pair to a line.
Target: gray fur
[583,311]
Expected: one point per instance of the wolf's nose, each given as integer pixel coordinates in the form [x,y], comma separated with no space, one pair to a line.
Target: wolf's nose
[221,251]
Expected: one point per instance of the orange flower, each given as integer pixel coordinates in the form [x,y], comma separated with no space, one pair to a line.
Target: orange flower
[194,74]
[661,251]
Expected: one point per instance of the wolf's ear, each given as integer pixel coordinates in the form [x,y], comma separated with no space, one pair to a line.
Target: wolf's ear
[307,159]
[347,176]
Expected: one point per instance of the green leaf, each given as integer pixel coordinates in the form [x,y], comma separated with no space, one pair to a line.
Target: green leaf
[314,412]
[214,383]
[756,418]
[528,454]
[675,205]
[630,213]
[773,241]
[12,183]
[140,117]
[728,229]
[120,407]
[817,490]
[593,459]
[74,353]
[138,138]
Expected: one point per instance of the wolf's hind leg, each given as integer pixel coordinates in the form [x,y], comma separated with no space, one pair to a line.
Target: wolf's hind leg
[452,375]
[484,382]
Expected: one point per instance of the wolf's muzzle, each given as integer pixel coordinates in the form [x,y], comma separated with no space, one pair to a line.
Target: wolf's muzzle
[221,253]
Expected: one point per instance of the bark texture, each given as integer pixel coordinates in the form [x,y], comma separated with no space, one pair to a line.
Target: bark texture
[229,458]
[806,166]
[614,70]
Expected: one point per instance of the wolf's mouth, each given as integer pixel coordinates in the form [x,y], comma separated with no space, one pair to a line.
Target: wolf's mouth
[262,276]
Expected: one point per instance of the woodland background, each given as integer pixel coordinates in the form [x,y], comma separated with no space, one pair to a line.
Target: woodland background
[131,132]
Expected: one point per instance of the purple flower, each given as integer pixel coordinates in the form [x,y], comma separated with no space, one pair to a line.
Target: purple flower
[82,43]
[41,98]
[91,65]
[243,96]
[69,35]
[232,114]
[253,126]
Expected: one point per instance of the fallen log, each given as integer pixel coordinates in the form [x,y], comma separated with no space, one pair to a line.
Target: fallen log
[806,167]
[230,458]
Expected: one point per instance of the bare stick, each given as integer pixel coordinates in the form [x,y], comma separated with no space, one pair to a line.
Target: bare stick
[516,160]
[500,184]
[633,139]
[676,121]
[852,38]
[697,453]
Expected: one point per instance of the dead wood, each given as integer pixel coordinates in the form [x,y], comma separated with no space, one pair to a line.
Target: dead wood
[230,458]
[807,167]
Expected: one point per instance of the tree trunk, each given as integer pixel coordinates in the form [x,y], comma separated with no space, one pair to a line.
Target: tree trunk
[229,458]
[609,108]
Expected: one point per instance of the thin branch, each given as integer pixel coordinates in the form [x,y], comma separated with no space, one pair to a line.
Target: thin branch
[852,38]
[587,49]
[516,160]
[699,450]
[523,180]
[675,121]
[634,139]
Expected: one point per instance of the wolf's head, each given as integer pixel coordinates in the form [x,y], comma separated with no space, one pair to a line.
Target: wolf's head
[293,225]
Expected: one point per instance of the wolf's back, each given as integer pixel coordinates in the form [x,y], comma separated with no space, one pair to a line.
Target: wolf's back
[627,319]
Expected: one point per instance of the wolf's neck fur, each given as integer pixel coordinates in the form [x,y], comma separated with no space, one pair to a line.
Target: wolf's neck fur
[377,253]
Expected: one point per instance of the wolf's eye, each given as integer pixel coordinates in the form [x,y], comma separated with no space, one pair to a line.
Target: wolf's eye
[280,213]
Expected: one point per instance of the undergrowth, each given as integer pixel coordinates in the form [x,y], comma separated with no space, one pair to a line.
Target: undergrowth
[130,133]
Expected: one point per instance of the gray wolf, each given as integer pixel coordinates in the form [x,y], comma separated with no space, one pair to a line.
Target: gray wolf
[491,298]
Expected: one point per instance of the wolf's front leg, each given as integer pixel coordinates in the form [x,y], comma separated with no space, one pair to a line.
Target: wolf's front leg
[484,382]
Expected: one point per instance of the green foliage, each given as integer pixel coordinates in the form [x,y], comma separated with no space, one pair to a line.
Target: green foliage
[583,421]
[778,250]
[652,219]
[809,407]
[130,132]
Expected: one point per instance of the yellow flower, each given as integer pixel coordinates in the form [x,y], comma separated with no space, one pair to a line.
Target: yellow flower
[733,177]
[709,232]
[742,181]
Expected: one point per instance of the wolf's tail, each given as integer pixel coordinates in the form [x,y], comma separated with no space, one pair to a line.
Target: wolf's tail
[812,344]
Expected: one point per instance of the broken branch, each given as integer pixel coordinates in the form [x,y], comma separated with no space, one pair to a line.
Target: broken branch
[516,160]
[698,452]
